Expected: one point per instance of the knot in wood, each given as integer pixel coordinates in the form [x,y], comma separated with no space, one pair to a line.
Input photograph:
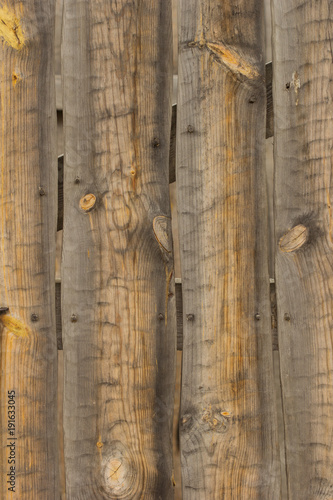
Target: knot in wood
[294,239]
[87,202]
[119,472]
[162,231]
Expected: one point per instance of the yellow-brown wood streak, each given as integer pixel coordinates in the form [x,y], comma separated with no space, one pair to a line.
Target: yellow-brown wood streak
[28,167]
[10,28]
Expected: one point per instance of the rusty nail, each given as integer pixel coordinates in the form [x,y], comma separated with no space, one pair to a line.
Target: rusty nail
[74,318]
[4,310]
[160,316]
[41,191]
[190,317]
[34,317]
[156,143]
[77,180]
[257,316]
[190,129]
[287,317]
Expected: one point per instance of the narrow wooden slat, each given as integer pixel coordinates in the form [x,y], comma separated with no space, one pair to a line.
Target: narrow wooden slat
[58,315]
[179,313]
[228,422]
[28,208]
[60,220]
[172,155]
[118,293]
[302,58]
[269,100]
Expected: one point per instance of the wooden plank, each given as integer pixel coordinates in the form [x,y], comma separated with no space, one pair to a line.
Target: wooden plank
[269,120]
[28,207]
[302,57]
[228,422]
[118,295]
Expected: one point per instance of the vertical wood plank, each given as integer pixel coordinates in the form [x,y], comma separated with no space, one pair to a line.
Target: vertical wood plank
[228,422]
[28,214]
[119,325]
[302,58]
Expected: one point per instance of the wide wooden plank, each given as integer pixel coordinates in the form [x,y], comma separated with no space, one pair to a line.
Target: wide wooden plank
[302,58]
[118,294]
[28,208]
[228,423]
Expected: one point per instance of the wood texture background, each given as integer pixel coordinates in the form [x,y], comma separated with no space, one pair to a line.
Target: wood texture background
[28,208]
[302,57]
[117,269]
[228,419]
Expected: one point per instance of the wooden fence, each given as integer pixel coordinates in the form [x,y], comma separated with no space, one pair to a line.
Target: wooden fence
[118,315]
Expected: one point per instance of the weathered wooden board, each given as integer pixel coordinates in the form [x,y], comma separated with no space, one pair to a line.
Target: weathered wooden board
[228,422]
[118,295]
[28,208]
[302,59]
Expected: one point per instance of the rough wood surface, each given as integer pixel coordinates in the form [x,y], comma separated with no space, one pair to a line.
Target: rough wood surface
[118,294]
[269,120]
[302,58]
[28,208]
[228,422]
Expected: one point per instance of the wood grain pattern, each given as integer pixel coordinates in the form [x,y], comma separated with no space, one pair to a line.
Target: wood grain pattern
[228,421]
[28,207]
[118,296]
[302,59]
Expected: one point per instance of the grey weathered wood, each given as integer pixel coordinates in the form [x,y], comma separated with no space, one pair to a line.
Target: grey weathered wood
[118,297]
[58,35]
[228,422]
[28,211]
[302,58]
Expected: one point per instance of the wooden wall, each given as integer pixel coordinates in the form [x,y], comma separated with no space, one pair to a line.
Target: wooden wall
[243,409]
